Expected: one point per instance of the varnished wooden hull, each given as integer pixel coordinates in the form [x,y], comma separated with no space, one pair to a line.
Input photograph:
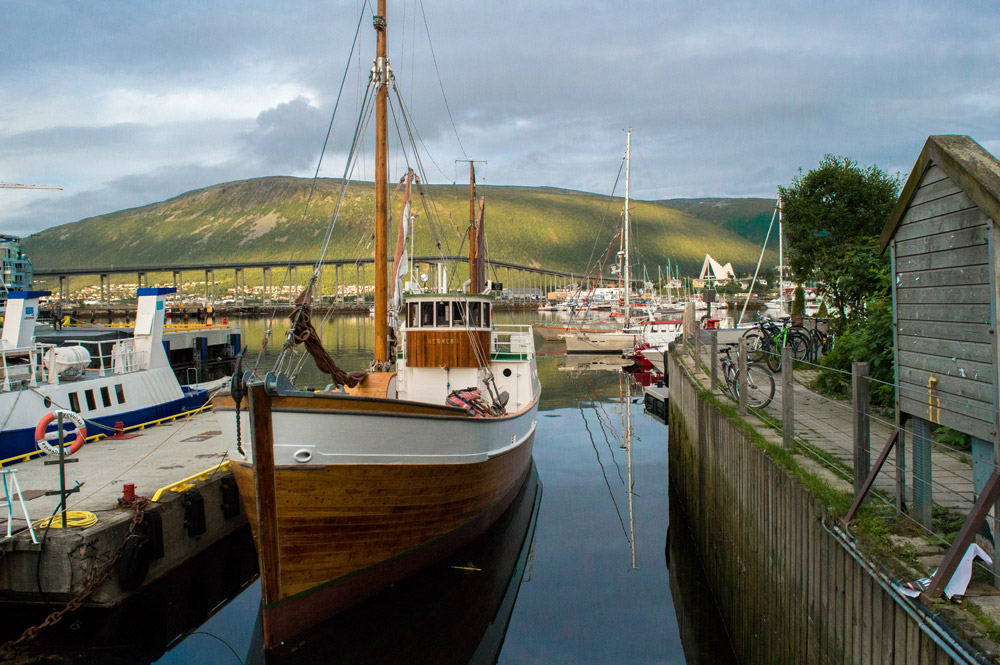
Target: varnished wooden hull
[348,529]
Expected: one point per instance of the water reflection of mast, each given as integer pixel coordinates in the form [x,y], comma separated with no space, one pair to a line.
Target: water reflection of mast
[627,444]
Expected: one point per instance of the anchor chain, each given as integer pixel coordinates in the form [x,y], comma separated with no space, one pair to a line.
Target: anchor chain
[95,583]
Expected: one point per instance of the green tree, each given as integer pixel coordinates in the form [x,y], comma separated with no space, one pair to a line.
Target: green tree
[799,300]
[832,217]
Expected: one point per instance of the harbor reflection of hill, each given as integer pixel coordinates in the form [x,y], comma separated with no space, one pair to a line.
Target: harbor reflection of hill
[455,612]
[703,634]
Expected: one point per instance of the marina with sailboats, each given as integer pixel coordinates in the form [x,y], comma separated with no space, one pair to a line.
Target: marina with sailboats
[395,331]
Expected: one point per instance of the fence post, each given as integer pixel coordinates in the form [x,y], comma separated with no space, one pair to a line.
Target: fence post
[787,398]
[862,426]
[923,495]
[741,382]
[697,341]
[713,358]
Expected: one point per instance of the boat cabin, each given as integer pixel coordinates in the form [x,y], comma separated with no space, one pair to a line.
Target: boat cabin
[449,343]
[447,331]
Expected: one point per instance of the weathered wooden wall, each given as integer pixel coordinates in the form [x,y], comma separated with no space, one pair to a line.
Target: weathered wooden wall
[788,590]
[944,337]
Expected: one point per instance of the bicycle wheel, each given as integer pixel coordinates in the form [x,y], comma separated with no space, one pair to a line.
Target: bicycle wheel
[731,380]
[772,354]
[759,385]
[755,342]
[799,343]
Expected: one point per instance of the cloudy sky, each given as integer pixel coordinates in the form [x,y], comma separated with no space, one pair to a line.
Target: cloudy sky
[127,103]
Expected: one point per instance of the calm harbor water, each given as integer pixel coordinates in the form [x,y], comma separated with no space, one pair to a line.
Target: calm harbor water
[555,581]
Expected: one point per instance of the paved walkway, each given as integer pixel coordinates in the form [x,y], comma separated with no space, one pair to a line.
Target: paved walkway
[825,427]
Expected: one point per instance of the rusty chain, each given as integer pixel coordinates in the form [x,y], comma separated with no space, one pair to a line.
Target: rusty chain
[97,580]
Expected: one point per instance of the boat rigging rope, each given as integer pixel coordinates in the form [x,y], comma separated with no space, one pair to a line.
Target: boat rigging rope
[440,82]
[312,186]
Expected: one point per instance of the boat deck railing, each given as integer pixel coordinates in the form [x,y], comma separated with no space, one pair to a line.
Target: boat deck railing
[513,340]
[29,366]
[121,357]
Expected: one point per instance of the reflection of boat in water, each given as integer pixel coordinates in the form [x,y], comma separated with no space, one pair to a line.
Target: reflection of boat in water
[703,634]
[454,612]
[593,362]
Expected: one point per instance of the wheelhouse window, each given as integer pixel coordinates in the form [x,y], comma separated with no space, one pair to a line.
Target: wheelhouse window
[413,314]
[426,314]
[441,315]
[486,314]
[458,313]
[475,314]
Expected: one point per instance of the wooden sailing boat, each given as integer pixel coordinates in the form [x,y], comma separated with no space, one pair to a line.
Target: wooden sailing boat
[613,341]
[350,491]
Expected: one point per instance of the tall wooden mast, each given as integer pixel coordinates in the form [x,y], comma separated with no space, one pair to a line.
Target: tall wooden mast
[474,285]
[381,190]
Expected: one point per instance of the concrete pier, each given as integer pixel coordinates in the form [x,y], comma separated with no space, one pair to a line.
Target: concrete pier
[181,523]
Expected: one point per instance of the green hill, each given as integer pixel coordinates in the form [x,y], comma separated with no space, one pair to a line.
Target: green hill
[747,218]
[259,219]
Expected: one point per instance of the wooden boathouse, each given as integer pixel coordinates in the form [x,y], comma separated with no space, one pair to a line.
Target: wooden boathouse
[945,255]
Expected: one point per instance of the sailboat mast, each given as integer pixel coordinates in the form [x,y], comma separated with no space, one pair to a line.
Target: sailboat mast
[474,285]
[781,262]
[381,189]
[628,277]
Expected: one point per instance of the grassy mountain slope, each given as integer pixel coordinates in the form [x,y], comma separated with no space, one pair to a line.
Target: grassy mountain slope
[747,218]
[259,219]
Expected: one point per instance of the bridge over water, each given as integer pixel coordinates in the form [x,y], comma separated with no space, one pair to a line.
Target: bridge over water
[343,277]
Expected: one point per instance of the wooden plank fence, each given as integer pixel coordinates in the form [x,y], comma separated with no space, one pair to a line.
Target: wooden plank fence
[789,590]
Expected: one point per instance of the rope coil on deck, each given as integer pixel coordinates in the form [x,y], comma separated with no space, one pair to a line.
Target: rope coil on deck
[80,518]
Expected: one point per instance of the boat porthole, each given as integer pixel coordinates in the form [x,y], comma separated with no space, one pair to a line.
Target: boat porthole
[302,456]
[507,372]
[47,402]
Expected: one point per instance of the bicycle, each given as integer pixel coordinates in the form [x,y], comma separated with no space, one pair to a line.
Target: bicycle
[759,382]
[768,338]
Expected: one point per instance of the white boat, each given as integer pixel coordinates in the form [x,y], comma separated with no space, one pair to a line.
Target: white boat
[132,384]
[352,489]
[611,341]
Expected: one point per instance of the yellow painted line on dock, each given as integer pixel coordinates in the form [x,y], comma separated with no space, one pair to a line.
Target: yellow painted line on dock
[182,486]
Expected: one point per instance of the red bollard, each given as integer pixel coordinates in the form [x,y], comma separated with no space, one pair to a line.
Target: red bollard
[128,492]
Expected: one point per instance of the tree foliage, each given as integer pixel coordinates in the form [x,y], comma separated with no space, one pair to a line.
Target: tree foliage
[799,301]
[832,217]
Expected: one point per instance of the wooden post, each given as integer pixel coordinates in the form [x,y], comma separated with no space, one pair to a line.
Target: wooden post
[965,535]
[697,341]
[787,398]
[900,464]
[262,447]
[713,359]
[741,383]
[923,496]
[862,427]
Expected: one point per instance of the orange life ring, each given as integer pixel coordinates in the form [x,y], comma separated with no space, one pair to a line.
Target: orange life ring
[81,432]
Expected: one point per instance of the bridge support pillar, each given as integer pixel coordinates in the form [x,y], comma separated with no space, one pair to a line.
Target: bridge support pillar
[105,284]
[179,285]
[63,288]
[267,283]
[209,286]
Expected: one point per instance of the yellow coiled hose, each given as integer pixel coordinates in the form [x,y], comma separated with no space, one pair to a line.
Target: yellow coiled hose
[80,518]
